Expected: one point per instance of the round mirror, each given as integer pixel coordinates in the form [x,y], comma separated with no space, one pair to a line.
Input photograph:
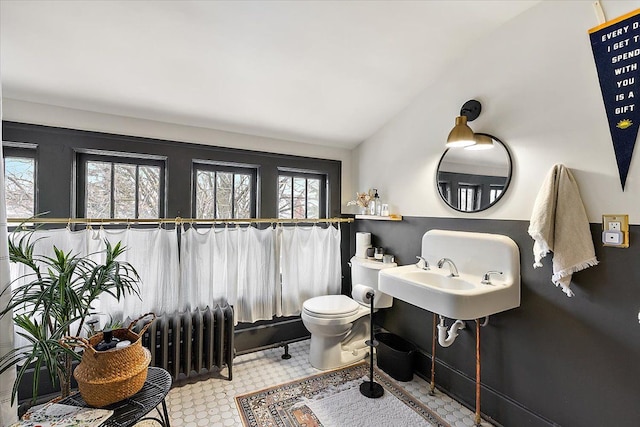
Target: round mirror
[473,180]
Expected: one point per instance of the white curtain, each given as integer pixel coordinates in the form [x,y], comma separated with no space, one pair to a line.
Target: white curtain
[154,255]
[310,265]
[7,411]
[231,264]
[152,252]
[257,275]
[262,273]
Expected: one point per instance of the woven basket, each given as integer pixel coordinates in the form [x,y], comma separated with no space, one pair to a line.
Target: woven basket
[106,377]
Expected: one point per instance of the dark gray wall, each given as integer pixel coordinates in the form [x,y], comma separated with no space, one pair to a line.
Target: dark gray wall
[57,149]
[555,360]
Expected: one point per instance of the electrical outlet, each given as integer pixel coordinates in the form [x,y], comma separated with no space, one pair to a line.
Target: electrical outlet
[615,230]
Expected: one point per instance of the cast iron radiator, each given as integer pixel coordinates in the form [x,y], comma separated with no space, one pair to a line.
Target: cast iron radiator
[188,344]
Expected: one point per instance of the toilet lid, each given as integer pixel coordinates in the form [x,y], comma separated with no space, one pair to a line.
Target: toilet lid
[331,305]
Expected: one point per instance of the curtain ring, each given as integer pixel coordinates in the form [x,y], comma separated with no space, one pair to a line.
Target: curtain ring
[69,224]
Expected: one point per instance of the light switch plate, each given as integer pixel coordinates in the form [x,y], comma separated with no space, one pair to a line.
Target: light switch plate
[615,230]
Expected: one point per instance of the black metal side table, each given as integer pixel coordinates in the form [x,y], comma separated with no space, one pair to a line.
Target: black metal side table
[135,408]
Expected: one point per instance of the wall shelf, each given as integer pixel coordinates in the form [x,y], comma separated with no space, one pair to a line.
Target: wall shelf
[380,218]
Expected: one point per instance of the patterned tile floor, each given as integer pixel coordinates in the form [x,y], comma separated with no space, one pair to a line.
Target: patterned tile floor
[210,403]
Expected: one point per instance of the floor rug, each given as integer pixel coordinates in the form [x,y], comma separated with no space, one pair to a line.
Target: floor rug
[333,399]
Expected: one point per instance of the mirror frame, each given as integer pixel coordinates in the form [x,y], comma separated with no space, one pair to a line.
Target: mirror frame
[506,184]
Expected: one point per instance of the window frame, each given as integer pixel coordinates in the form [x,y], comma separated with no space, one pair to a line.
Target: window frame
[476,191]
[118,158]
[323,202]
[23,150]
[444,187]
[234,168]
[495,192]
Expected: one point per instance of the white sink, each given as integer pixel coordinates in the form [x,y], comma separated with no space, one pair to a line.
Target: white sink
[464,297]
[435,279]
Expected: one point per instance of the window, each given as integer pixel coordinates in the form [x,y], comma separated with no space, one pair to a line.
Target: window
[120,187]
[468,197]
[224,191]
[301,195]
[20,182]
[445,190]
[494,192]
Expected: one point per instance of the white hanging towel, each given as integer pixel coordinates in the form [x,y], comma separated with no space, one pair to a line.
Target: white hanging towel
[559,224]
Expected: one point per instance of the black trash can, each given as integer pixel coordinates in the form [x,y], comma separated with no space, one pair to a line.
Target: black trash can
[395,356]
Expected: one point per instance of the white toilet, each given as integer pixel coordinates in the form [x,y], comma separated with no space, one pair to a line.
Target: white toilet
[339,325]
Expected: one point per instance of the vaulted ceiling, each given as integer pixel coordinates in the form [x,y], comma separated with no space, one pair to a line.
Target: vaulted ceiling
[324,72]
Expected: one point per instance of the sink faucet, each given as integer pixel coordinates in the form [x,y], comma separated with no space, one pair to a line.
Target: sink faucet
[452,267]
[425,265]
[486,279]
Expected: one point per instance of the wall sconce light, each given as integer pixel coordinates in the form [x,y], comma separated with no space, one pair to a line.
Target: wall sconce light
[461,135]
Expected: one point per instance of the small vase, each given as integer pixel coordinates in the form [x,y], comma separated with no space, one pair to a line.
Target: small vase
[363,210]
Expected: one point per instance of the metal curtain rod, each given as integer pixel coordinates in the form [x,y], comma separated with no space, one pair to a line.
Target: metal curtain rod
[177,220]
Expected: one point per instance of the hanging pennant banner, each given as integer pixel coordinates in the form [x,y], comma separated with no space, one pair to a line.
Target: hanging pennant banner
[616,50]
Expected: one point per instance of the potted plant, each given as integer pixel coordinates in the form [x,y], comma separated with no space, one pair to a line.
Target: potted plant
[55,299]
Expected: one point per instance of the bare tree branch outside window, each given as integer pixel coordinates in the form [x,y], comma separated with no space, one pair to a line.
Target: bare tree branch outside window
[148,191]
[284,197]
[133,192]
[242,195]
[298,197]
[19,185]
[98,190]
[124,191]
[222,194]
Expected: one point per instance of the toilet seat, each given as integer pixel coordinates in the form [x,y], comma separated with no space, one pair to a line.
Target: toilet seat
[331,306]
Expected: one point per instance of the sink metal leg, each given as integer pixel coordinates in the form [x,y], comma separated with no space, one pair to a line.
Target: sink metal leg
[432,386]
[478,419]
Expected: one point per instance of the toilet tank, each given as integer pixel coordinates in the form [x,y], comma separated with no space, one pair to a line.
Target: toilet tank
[365,272]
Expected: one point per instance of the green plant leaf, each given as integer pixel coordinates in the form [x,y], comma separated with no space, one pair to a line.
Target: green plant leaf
[57,292]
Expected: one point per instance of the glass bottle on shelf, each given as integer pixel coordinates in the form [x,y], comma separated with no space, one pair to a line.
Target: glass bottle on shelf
[378,200]
[372,204]
[375,204]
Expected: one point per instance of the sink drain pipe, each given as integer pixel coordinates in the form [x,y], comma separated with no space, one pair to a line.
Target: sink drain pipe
[446,337]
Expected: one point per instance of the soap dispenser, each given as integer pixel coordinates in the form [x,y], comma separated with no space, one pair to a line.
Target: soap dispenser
[375,203]
[378,204]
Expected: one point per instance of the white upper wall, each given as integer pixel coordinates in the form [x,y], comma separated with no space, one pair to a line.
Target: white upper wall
[29,112]
[538,85]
